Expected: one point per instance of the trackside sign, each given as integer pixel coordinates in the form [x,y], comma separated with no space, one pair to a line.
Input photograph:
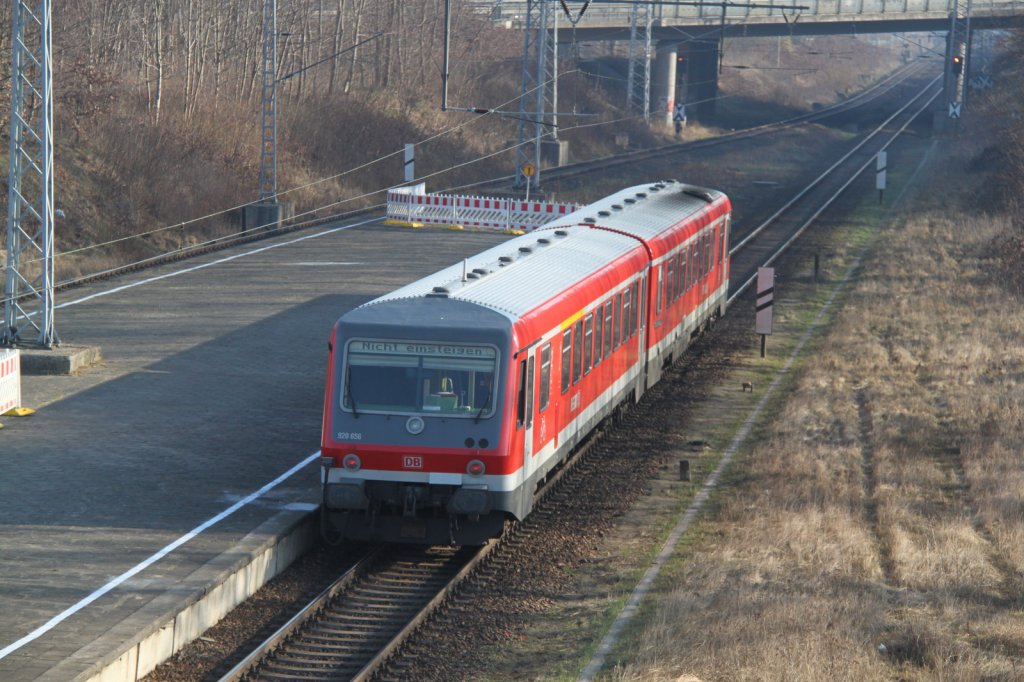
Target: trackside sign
[765,300]
[10,380]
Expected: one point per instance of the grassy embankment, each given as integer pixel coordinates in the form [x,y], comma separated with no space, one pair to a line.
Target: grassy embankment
[873,530]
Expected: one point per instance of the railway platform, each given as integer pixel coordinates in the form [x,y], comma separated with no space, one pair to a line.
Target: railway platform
[152,492]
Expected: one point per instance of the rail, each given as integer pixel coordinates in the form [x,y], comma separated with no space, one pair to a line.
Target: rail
[923,94]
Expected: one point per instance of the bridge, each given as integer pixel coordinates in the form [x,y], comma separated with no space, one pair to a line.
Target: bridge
[612,21]
[659,32]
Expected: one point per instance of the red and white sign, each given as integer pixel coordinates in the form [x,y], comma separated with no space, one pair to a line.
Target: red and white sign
[414,204]
[10,380]
[412,462]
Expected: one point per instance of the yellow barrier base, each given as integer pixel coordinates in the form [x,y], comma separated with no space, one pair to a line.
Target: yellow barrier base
[19,412]
[402,223]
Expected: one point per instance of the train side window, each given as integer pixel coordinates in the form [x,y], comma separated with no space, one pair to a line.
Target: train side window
[679,274]
[725,237]
[660,286]
[670,280]
[698,258]
[566,358]
[686,272]
[633,308]
[704,255]
[607,328]
[707,252]
[545,378]
[617,322]
[643,301]
[714,247]
[693,265]
[675,280]
[598,336]
[627,307]
[588,344]
[577,352]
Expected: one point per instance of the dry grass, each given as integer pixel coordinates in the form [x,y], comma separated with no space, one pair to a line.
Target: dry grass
[879,531]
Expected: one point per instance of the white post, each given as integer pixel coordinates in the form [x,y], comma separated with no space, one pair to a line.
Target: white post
[410,162]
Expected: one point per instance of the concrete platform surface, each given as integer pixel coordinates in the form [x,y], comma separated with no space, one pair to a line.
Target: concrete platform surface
[114,538]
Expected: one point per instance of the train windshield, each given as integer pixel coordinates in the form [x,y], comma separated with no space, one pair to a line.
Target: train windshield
[416,377]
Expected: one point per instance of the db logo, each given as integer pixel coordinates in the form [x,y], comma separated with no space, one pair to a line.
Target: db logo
[411,462]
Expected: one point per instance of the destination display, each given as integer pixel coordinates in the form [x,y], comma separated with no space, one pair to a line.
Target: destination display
[425,349]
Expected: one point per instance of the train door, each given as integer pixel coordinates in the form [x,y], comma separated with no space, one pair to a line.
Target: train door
[524,412]
[641,332]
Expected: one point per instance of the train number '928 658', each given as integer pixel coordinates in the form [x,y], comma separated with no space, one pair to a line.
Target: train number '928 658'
[451,399]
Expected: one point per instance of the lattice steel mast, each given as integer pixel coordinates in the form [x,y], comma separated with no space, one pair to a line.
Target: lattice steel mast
[638,80]
[29,275]
[540,68]
[268,147]
[957,53]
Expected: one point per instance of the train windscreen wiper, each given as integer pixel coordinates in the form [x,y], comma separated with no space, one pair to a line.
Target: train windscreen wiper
[348,391]
[485,405]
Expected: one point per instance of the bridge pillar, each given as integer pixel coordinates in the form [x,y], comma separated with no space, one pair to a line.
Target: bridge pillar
[663,83]
[702,79]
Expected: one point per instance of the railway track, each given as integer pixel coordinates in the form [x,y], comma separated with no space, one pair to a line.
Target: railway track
[871,94]
[874,93]
[358,628]
[342,634]
[785,225]
[350,630]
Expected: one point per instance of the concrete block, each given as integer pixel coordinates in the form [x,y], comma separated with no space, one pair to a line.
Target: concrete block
[64,359]
[266,215]
[555,152]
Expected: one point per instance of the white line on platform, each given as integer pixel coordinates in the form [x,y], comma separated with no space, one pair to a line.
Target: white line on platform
[219,261]
[327,263]
[70,611]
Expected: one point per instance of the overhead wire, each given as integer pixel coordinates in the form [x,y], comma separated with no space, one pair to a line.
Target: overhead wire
[317,209]
[290,190]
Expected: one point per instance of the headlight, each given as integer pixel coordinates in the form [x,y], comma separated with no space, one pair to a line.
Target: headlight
[351,462]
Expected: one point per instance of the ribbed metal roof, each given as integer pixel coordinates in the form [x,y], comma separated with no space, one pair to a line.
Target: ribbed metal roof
[644,210]
[517,281]
[510,280]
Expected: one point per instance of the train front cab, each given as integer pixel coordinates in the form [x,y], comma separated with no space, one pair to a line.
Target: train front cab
[414,439]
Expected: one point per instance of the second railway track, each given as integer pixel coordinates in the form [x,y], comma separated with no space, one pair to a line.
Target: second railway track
[374,611]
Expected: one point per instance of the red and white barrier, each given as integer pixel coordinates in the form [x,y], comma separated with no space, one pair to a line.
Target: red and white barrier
[414,205]
[10,380]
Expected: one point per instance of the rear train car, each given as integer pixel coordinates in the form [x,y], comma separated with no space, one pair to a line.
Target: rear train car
[450,400]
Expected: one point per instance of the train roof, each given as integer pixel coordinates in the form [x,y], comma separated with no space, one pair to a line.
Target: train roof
[523,273]
[645,211]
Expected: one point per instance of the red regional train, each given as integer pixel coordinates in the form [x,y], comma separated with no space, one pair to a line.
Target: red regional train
[451,399]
